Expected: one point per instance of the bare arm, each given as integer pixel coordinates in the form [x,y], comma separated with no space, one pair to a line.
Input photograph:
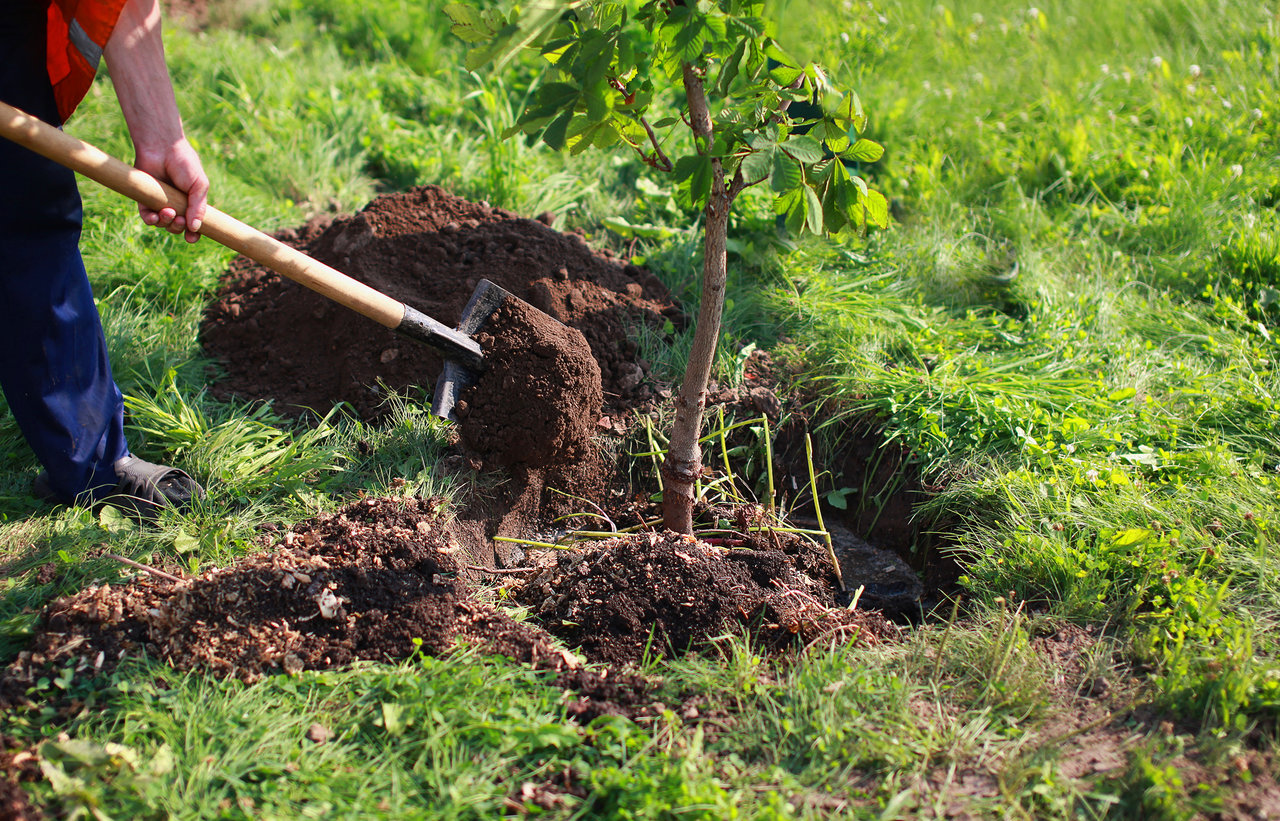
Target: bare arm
[135,55]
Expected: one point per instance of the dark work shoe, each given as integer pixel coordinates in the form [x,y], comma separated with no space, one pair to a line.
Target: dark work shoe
[142,488]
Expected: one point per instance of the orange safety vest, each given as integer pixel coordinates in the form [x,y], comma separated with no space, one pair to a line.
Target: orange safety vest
[77,32]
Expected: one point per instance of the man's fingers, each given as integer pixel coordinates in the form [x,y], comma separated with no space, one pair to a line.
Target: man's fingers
[196,185]
[180,166]
[194,218]
[165,218]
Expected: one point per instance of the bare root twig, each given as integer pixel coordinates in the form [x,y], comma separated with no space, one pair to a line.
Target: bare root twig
[160,574]
[502,571]
[835,631]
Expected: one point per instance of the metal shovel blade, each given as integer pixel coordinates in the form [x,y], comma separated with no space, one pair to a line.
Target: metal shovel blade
[456,377]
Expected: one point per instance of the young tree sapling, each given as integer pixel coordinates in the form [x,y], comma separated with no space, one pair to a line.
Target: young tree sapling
[628,73]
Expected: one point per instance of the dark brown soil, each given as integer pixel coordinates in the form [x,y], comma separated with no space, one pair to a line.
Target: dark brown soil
[377,580]
[664,594]
[277,341]
[538,400]
[381,579]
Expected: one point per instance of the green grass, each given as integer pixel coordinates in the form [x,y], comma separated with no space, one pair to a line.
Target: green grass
[1071,329]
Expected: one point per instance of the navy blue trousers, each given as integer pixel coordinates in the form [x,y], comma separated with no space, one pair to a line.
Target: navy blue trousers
[53,357]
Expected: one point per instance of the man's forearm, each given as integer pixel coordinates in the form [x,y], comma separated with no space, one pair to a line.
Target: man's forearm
[135,56]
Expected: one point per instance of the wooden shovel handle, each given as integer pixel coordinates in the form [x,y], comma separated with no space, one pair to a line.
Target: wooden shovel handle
[143,188]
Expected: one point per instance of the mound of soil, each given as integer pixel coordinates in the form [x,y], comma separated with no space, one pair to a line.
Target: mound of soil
[376,580]
[666,594]
[281,342]
[380,580]
[538,400]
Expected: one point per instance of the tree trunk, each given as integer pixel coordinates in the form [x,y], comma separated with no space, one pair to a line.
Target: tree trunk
[683,464]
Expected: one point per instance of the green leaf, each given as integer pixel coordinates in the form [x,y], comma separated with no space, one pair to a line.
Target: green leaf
[550,101]
[1132,536]
[836,138]
[785,75]
[113,521]
[162,762]
[627,230]
[559,95]
[628,130]
[694,173]
[184,542]
[864,151]
[838,194]
[685,166]
[691,40]
[774,52]
[848,114]
[393,720]
[593,135]
[758,165]
[597,56]
[556,133]
[472,25]
[791,205]
[501,39]
[599,104]
[877,209]
[804,149]
[786,173]
[731,68]
[813,210]
[554,50]
[519,126]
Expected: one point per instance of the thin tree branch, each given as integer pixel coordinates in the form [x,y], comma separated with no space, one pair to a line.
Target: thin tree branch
[659,156]
[658,159]
[783,105]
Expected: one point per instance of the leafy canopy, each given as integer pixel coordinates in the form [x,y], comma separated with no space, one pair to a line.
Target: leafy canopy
[611,73]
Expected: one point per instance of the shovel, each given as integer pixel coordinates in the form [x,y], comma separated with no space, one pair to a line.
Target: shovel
[463,359]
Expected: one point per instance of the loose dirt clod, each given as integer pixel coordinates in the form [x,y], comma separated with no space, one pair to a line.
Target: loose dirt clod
[539,398]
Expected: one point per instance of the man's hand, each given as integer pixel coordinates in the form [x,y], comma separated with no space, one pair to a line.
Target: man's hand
[178,165]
